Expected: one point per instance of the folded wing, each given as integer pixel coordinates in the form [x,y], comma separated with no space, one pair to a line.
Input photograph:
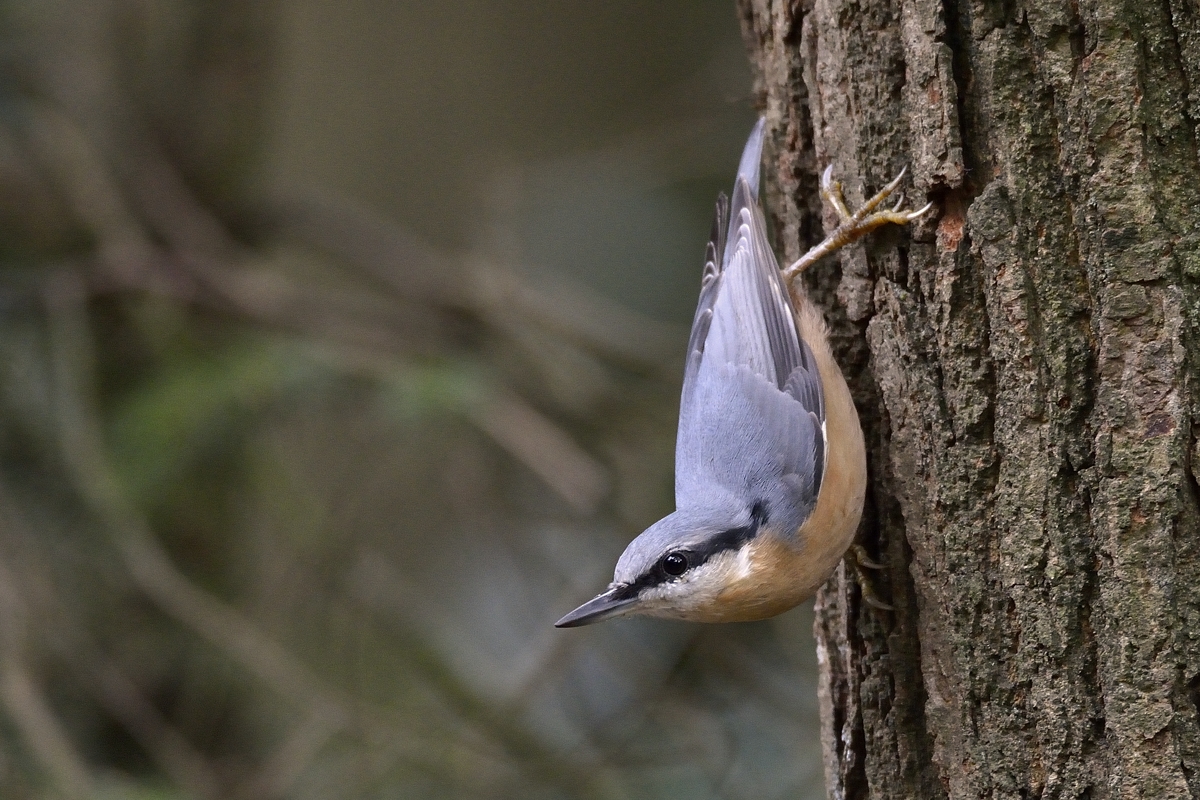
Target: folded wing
[752,413]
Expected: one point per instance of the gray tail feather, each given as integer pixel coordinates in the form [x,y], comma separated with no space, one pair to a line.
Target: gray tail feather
[745,195]
[752,158]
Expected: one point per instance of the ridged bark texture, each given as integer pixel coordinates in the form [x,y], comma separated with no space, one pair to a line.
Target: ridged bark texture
[1025,364]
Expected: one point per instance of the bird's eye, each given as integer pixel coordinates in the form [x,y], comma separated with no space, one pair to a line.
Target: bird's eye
[674,563]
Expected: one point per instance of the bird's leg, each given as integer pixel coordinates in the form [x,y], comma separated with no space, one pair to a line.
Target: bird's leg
[852,227]
[862,562]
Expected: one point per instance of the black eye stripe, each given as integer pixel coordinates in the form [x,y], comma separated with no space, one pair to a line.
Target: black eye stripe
[731,539]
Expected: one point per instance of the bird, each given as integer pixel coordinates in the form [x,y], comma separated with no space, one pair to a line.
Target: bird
[770,464]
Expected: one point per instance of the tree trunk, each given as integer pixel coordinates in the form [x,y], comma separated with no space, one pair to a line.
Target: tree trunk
[1025,364]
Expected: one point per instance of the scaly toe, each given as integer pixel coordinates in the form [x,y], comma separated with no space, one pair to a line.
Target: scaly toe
[866,586]
[852,227]
[880,196]
[831,193]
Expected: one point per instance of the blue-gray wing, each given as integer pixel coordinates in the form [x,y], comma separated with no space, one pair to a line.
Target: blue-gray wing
[752,413]
[708,294]
[716,257]
[747,442]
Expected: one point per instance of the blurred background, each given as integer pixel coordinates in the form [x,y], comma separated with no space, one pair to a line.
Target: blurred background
[341,349]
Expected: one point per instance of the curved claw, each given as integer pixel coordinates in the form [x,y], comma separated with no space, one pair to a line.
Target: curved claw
[831,192]
[853,226]
[920,212]
[864,560]
[827,178]
[866,588]
[880,196]
[875,602]
[891,187]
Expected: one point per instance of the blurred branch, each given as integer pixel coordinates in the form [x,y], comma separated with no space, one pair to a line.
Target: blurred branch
[544,448]
[107,680]
[376,586]
[92,193]
[27,707]
[165,201]
[268,296]
[372,244]
[574,312]
[326,711]
[413,269]
[143,556]
[181,762]
[266,293]
[47,741]
[281,771]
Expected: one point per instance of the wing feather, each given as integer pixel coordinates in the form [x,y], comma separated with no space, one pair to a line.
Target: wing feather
[752,416]
[709,281]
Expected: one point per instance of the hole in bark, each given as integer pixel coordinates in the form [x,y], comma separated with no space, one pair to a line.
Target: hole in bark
[1078,43]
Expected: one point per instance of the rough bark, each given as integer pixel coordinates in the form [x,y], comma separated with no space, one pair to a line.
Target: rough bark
[1025,364]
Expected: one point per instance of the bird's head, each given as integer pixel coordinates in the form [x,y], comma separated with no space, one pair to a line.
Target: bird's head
[703,567]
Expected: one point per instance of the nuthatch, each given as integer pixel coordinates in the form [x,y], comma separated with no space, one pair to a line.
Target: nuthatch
[770,468]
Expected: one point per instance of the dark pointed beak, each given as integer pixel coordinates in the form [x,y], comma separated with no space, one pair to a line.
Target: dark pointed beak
[599,608]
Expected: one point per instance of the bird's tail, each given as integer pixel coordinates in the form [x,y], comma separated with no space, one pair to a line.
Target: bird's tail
[745,188]
[752,157]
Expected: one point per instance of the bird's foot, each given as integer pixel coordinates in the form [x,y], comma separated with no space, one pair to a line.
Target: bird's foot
[861,563]
[853,226]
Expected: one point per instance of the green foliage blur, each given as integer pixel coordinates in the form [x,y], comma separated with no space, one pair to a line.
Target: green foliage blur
[340,350]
